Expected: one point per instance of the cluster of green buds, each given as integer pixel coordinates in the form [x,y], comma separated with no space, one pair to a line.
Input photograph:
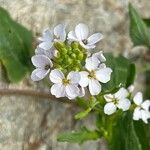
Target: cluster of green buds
[69,57]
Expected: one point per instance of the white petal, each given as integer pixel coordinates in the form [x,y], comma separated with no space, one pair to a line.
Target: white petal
[131,88]
[91,63]
[46,45]
[56,76]
[58,90]
[41,61]
[121,94]
[40,73]
[72,91]
[104,74]
[87,46]
[81,31]
[94,38]
[138,98]
[100,56]
[124,104]
[110,108]
[84,80]
[146,105]
[39,51]
[94,87]
[72,36]
[137,113]
[101,66]
[109,97]
[74,77]
[46,36]
[81,92]
[145,115]
[60,33]
[34,77]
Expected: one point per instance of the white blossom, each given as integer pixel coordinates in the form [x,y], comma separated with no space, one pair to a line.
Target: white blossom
[81,35]
[43,65]
[142,111]
[65,86]
[99,55]
[49,37]
[118,100]
[93,75]
[48,53]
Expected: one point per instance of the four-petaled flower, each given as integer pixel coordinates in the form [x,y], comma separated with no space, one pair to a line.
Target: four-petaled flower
[43,65]
[81,35]
[94,74]
[142,111]
[65,86]
[49,37]
[117,100]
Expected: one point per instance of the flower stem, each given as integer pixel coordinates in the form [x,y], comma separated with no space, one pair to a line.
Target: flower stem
[33,93]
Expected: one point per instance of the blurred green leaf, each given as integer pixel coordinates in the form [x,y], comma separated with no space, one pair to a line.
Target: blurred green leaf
[82,102]
[147,21]
[142,131]
[92,102]
[124,136]
[123,73]
[79,137]
[15,46]
[139,32]
[82,114]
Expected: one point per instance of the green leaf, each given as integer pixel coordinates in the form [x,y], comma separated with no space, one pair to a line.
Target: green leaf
[15,47]
[139,31]
[131,75]
[142,131]
[79,137]
[123,73]
[147,21]
[124,136]
[82,102]
[82,114]
[92,102]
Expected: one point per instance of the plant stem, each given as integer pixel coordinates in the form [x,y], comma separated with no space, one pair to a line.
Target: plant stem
[33,93]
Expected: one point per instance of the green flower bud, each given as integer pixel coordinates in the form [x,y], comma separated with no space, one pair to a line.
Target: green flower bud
[59,45]
[69,61]
[80,56]
[74,45]
[63,51]
[73,55]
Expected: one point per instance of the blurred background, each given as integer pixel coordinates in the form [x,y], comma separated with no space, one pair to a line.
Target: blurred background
[29,123]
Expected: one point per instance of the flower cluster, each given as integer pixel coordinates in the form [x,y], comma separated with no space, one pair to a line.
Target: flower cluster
[122,100]
[72,68]
[67,59]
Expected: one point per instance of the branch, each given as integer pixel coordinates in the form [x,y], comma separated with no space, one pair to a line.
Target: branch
[33,93]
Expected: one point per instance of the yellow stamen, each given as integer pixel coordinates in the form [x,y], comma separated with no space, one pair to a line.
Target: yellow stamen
[65,81]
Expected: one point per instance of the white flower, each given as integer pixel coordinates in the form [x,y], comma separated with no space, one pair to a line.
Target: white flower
[46,40]
[142,111]
[81,35]
[59,33]
[131,88]
[43,65]
[94,74]
[117,100]
[48,53]
[65,86]
[49,37]
[99,56]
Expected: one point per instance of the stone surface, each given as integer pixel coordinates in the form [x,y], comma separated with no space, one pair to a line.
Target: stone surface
[28,123]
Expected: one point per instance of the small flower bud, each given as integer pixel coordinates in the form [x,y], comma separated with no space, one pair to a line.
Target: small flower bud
[73,55]
[59,45]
